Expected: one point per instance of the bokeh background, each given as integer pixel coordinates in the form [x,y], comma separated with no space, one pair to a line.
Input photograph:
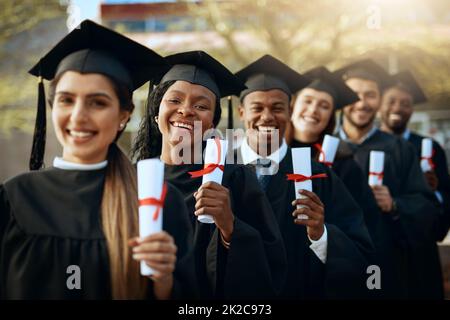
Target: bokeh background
[398,34]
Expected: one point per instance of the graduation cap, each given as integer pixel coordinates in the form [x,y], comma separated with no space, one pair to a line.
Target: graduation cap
[92,48]
[406,81]
[323,80]
[269,73]
[365,69]
[200,68]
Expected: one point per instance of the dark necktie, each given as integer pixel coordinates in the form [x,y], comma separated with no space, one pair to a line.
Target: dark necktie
[263,179]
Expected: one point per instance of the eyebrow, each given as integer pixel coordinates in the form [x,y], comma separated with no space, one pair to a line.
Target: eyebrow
[197,97]
[91,95]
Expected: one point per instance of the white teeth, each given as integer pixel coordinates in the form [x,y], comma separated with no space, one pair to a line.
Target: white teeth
[183,125]
[266,128]
[80,134]
[310,119]
[395,117]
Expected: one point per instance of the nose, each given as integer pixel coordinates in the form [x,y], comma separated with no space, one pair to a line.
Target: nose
[186,109]
[312,108]
[79,112]
[267,115]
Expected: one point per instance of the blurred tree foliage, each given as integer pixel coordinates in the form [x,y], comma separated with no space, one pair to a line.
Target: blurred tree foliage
[21,15]
[16,88]
[401,34]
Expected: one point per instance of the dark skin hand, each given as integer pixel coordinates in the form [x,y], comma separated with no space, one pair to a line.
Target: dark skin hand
[315,211]
[214,199]
[432,179]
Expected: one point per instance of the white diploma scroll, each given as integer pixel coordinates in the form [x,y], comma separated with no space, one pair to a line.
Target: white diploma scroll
[301,162]
[212,155]
[150,174]
[376,168]
[426,155]
[329,147]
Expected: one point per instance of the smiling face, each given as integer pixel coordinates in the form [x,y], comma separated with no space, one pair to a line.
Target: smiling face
[362,113]
[86,115]
[396,110]
[265,112]
[312,112]
[183,104]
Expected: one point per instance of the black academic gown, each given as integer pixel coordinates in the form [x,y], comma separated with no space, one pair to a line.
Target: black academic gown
[255,264]
[410,237]
[441,170]
[349,244]
[356,182]
[51,219]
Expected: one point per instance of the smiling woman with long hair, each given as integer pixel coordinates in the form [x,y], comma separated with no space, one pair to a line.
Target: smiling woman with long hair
[69,231]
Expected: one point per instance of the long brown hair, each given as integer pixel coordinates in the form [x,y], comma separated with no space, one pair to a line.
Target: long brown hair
[119,211]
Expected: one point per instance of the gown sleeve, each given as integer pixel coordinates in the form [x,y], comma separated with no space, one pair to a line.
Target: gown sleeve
[440,161]
[4,218]
[350,248]
[256,262]
[177,224]
[418,209]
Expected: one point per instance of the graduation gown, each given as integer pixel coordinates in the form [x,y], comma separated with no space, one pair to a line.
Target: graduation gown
[255,264]
[410,231]
[441,170]
[349,245]
[50,220]
[356,182]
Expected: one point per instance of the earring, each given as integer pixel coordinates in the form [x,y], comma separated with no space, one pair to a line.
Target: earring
[122,125]
[156,119]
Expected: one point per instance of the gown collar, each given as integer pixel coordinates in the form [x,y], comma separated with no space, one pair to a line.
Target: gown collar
[60,163]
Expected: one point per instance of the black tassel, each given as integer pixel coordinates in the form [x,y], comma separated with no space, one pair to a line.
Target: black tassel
[40,128]
[230,113]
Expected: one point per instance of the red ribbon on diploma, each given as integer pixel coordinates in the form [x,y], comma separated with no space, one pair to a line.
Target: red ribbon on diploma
[301,178]
[380,175]
[210,167]
[322,153]
[159,203]
[430,160]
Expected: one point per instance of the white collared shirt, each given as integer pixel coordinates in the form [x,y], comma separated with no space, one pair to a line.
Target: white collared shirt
[249,156]
[60,163]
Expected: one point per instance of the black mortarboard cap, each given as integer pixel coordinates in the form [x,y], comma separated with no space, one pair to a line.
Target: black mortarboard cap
[200,68]
[269,73]
[406,81]
[365,69]
[92,48]
[323,80]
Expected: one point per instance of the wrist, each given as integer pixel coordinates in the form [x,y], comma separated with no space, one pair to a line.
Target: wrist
[316,234]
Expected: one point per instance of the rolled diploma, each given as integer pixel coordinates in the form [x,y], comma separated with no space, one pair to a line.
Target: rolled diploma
[150,174]
[329,146]
[301,162]
[376,165]
[217,174]
[427,152]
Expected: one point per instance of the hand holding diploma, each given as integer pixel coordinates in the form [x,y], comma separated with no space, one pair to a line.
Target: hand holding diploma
[215,154]
[376,174]
[155,249]
[309,209]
